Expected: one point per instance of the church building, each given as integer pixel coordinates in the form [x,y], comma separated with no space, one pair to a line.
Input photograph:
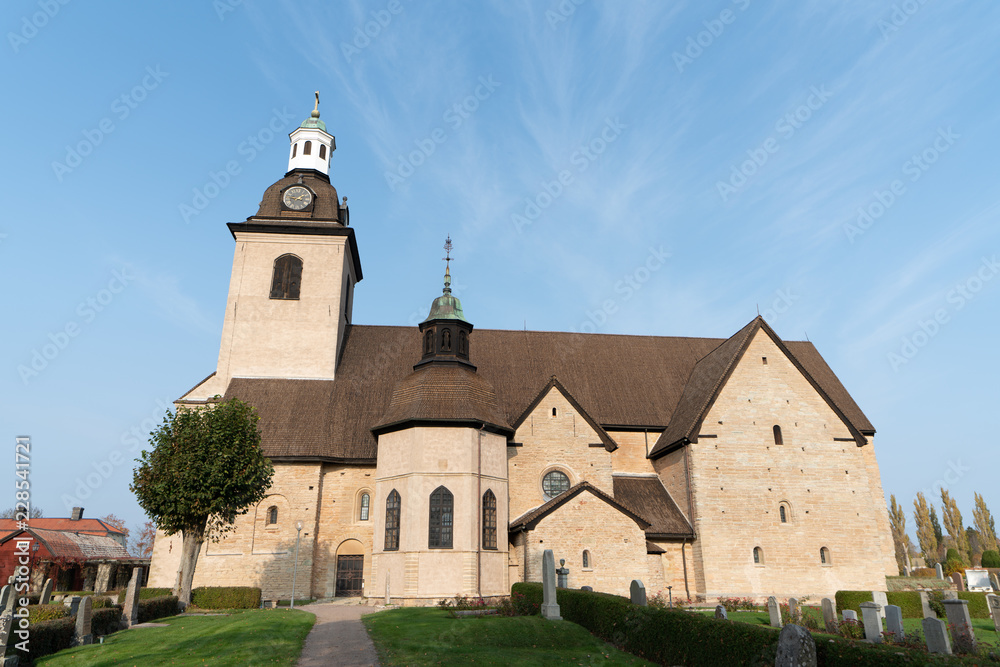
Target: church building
[440,460]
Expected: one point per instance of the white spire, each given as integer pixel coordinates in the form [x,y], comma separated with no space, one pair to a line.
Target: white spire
[311,145]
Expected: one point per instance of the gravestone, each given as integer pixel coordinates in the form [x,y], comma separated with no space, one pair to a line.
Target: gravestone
[638,593]
[796,647]
[978,580]
[130,610]
[550,607]
[881,599]
[925,605]
[956,579]
[894,621]
[960,624]
[72,602]
[995,581]
[6,622]
[993,601]
[587,588]
[872,621]
[850,615]
[46,592]
[794,615]
[720,613]
[388,598]
[83,635]
[562,574]
[940,572]
[774,611]
[950,595]
[936,635]
[5,594]
[103,580]
[829,616]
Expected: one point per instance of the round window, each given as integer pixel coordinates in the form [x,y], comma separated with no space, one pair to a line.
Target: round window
[554,483]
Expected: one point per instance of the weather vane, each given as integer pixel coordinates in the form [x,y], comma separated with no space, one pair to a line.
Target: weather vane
[316,108]
[447,265]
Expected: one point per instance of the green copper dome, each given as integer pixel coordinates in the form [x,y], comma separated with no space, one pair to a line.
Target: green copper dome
[446,306]
[314,121]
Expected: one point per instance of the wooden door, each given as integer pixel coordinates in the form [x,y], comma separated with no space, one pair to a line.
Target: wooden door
[350,575]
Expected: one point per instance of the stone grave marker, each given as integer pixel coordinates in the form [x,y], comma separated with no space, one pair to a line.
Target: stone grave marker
[774,611]
[936,635]
[993,601]
[562,574]
[850,615]
[796,647]
[881,599]
[550,607]
[6,622]
[72,602]
[46,592]
[894,621]
[638,593]
[950,595]
[959,582]
[995,582]
[388,598]
[130,610]
[5,593]
[829,615]
[586,588]
[83,621]
[794,615]
[925,605]
[960,623]
[720,613]
[872,621]
[940,572]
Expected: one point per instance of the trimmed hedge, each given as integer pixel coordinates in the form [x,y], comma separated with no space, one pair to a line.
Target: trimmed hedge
[852,600]
[991,558]
[226,597]
[106,620]
[46,612]
[146,593]
[907,601]
[46,637]
[978,607]
[150,610]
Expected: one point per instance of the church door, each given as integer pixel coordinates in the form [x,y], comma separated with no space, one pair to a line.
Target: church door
[349,575]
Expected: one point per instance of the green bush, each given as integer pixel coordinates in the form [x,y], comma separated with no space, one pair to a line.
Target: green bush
[991,558]
[146,593]
[150,610]
[106,620]
[952,554]
[46,637]
[46,612]
[908,602]
[923,572]
[101,602]
[226,597]
[852,600]
[978,608]
[954,565]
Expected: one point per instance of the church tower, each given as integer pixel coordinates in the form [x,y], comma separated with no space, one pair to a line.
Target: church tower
[440,504]
[294,270]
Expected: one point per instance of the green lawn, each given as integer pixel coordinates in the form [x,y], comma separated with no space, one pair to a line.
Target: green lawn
[427,636]
[254,637]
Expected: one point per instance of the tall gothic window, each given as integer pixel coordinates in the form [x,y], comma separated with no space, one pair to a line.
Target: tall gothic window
[489,520]
[287,277]
[442,517]
[392,522]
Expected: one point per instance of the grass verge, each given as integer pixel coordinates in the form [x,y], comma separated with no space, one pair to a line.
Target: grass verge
[248,637]
[425,636]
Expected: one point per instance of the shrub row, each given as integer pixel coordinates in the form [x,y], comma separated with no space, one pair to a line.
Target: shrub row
[146,593]
[226,597]
[105,620]
[978,607]
[46,612]
[852,600]
[46,637]
[152,609]
[907,601]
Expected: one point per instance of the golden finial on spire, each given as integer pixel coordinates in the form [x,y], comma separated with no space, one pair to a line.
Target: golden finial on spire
[315,111]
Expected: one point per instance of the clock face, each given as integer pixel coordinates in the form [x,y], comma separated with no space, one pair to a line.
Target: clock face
[297,198]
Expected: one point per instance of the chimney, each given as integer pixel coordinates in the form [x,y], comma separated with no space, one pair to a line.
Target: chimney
[77,514]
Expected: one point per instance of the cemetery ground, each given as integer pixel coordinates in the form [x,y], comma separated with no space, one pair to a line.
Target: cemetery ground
[430,636]
[235,637]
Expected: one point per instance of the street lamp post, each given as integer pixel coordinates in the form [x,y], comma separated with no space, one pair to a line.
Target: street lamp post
[295,565]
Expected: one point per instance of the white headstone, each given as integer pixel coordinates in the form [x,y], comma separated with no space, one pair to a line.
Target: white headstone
[995,581]
[638,592]
[46,592]
[872,621]
[961,625]
[850,615]
[880,598]
[793,611]
[720,613]
[925,605]
[796,647]
[894,621]
[72,602]
[936,636]
[774,612]
[550,607]
[829,616]
[978,580]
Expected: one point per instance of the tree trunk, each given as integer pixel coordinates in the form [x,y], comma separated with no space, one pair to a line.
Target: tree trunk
[193,538]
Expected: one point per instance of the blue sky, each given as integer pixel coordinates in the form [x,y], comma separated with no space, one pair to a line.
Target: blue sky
[833,164]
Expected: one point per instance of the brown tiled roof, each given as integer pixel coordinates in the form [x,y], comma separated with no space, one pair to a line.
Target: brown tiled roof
[711,373]
[326,207]
[93,526]
[76,546]
[654,549]
[620,381]
[443,392]
[530,519]
[647,497]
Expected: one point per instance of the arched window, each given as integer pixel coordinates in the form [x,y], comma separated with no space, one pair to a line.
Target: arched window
[295,148]
[287,277]
[824,556]
[781,512]
[392,522]
[777,435]
[553,412]
[554,483]
[758,556]
[784,512]
[272,515]
[322,151]
[441,518]
[587,562]
[307,149]
[365,502]
[489,520]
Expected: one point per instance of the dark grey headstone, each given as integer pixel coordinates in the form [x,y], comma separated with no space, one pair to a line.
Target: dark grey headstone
[993,602]
[936,636]
[6,622]
[638,593]
[961,625]
[720,613]
[46,592]
[130,610]
[586,588]
[894,621]
[796,647]
[5,594]
[84,615]
[72,603]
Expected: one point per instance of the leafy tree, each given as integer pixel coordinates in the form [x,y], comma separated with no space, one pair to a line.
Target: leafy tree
[142,544]
[985,525]
[897,520]
[953,524]
[11,513]
[975,550]
[925,530]
[205,469]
